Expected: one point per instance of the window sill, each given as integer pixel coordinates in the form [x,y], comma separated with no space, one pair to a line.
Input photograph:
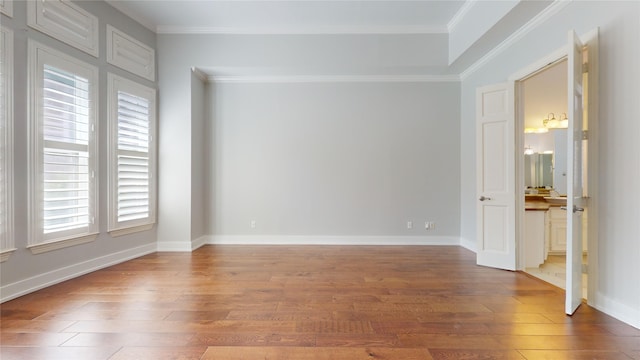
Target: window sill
[130,230]
[60,244]
[4,254]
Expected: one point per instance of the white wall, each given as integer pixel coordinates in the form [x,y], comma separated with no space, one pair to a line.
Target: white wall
[306,159]
[198,155]
[545,93]
[354,159]
[618,290]
[334,54]
[23,271]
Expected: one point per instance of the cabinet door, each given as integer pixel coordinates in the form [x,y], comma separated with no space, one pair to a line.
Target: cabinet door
[557,230]
[558,236]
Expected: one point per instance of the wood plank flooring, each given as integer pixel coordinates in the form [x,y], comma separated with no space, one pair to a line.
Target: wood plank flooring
[308,303]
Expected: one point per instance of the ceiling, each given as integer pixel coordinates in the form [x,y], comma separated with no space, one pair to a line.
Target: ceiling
[440,38]
[292,17]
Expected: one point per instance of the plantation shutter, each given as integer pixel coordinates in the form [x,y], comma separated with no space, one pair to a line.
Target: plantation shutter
[133,138]
[66,132]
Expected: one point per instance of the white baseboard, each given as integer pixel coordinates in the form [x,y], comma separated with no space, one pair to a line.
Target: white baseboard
[174,246]
[202,240]
[23,287]
[331,240]
[469,245]
[617,310]
[182,246]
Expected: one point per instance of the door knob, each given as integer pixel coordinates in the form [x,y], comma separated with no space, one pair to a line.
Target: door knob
[483,198]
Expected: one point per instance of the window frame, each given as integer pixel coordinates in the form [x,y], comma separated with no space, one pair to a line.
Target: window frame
[116,84]
[7,243]
[39,56]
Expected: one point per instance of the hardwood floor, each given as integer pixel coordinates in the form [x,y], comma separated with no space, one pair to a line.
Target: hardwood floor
[308,302]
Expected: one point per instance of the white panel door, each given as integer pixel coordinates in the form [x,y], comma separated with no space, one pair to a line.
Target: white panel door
[575,204]
[495,176]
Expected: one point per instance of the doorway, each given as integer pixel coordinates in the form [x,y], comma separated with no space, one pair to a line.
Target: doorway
[542,123]
[500,184]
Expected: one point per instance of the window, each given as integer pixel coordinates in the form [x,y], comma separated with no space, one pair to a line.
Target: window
[7,245]
[130,54]
[65,21]
[62,178]
[132,156]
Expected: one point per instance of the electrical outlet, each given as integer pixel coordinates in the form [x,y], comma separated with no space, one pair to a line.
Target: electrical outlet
[429,225]
[409,224]
[253,224]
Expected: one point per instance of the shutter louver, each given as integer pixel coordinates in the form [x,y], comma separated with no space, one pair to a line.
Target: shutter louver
[133,157]
[66,170]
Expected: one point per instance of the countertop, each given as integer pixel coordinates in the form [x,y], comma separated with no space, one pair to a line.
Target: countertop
[537,202]
[536,206]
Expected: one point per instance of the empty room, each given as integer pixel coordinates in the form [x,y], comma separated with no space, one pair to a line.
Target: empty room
[319,179]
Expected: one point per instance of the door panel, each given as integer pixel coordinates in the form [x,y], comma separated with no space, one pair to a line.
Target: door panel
[495,237]
[575,204]
[496,176]
[493,176]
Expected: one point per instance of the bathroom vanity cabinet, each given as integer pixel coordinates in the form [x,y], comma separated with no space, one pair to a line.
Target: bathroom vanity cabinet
[557,230]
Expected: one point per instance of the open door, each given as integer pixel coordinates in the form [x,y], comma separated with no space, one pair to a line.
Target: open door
[575,205]
[495,164]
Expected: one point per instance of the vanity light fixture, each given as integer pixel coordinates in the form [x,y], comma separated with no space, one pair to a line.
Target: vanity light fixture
[564,121]
[552,123]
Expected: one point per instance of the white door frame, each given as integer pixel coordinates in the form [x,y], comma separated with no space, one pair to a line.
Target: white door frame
[591,41]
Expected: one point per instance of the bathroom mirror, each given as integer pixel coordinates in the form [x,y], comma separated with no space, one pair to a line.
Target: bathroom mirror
[538,170]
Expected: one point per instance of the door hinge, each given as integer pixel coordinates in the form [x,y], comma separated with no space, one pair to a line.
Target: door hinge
[585,134]
[585,68]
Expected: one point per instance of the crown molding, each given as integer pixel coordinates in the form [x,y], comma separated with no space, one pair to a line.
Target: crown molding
[200,74]
[304,30]
[334,79]
[135,17]
[543,16]
[464,9]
